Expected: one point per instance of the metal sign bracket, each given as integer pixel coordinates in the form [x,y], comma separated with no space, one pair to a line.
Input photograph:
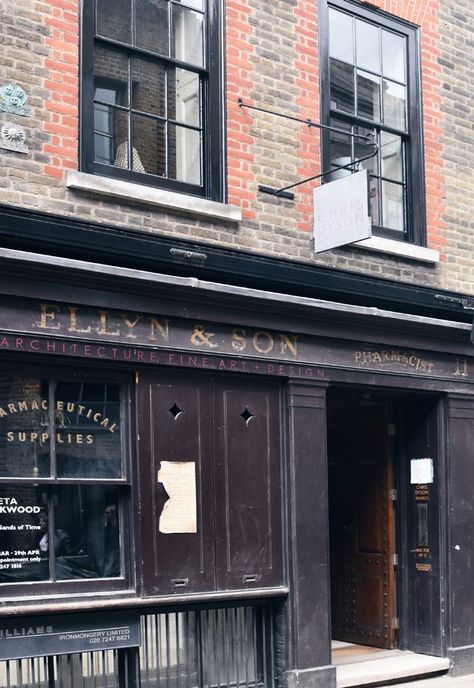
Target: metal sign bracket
[284,192]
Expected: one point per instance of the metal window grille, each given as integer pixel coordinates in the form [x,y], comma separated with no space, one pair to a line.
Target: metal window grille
[207,648]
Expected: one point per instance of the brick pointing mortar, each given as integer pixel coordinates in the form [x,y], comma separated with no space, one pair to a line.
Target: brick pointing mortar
[271,62]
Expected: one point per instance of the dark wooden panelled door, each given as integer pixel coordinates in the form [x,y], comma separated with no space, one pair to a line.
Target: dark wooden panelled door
[361,523]
[229,429]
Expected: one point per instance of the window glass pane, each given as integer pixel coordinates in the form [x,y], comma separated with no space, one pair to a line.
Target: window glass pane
[195,4]
[118,136]
[394,99]
[393,56]
[151,20]
[87,419]
[391,156]
[341,41]
[103,149]
[114,19]
[148,92]
[149,145]
[363,148]
[86,532]
[24,427]
[342,86]
[368,96]
[110,76]
[187,36]
[24,534]
[340,149]
[374,200]
[392,204]
[185,154]
[183,96]
[367,46]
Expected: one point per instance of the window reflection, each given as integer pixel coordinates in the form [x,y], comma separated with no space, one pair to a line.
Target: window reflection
[342,86]
[62,534]
[341,43]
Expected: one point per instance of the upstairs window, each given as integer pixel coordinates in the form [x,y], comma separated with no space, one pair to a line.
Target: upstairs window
[151,93]
[371,86]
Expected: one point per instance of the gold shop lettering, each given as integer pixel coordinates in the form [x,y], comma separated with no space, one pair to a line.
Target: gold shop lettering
[264,342]
[61,407]
[105,325]
[384,357]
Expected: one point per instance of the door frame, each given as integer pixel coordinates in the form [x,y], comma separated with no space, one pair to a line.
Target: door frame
[401,483]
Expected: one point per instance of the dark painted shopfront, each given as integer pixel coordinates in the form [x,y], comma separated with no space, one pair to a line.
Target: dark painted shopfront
[202,483]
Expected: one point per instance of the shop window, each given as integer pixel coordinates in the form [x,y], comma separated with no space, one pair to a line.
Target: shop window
[151,93]
[63,480]
[371,86]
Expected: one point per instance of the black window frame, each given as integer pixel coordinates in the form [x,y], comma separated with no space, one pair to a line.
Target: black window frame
[123,484]
[415,210]
[213,151]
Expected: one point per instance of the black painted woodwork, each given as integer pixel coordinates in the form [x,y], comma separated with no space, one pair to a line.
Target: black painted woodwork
[308,604]
[420,574]
[71,238]
[230,428]
[460,564]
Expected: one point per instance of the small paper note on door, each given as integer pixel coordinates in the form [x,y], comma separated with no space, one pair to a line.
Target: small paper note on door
[179,514]
[421,471]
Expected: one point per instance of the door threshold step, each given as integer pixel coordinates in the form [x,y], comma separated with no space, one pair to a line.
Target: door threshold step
[394,666]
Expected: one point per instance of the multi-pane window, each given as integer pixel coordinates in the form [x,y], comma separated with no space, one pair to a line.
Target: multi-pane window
[62,479]
[151,79]
[371,81]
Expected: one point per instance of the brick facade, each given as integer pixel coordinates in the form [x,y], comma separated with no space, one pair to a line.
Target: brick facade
[271,62]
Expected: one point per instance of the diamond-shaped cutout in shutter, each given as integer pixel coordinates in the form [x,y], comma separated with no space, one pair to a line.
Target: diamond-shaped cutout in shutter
[175,410]
[247,416]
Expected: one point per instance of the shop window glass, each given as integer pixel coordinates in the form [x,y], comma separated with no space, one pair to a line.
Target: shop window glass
[60,453]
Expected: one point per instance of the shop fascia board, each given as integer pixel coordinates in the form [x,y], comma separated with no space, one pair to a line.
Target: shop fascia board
[220,294]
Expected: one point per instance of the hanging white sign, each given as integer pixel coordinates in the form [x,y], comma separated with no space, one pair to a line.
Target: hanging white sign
[341,212]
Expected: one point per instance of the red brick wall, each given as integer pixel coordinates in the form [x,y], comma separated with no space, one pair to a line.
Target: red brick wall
[61,17]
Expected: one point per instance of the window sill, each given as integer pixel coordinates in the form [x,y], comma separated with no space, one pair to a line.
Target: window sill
[399,248]
[127,191]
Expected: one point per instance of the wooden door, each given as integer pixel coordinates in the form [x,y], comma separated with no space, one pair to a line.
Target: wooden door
[224,432]
[361,524]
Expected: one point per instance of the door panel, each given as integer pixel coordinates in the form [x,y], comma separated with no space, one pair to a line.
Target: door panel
[248,517]
[361,523]
[174,427]
[421,562]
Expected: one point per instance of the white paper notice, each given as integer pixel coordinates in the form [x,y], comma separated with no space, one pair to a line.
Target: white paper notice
[421,471]
[179,514]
